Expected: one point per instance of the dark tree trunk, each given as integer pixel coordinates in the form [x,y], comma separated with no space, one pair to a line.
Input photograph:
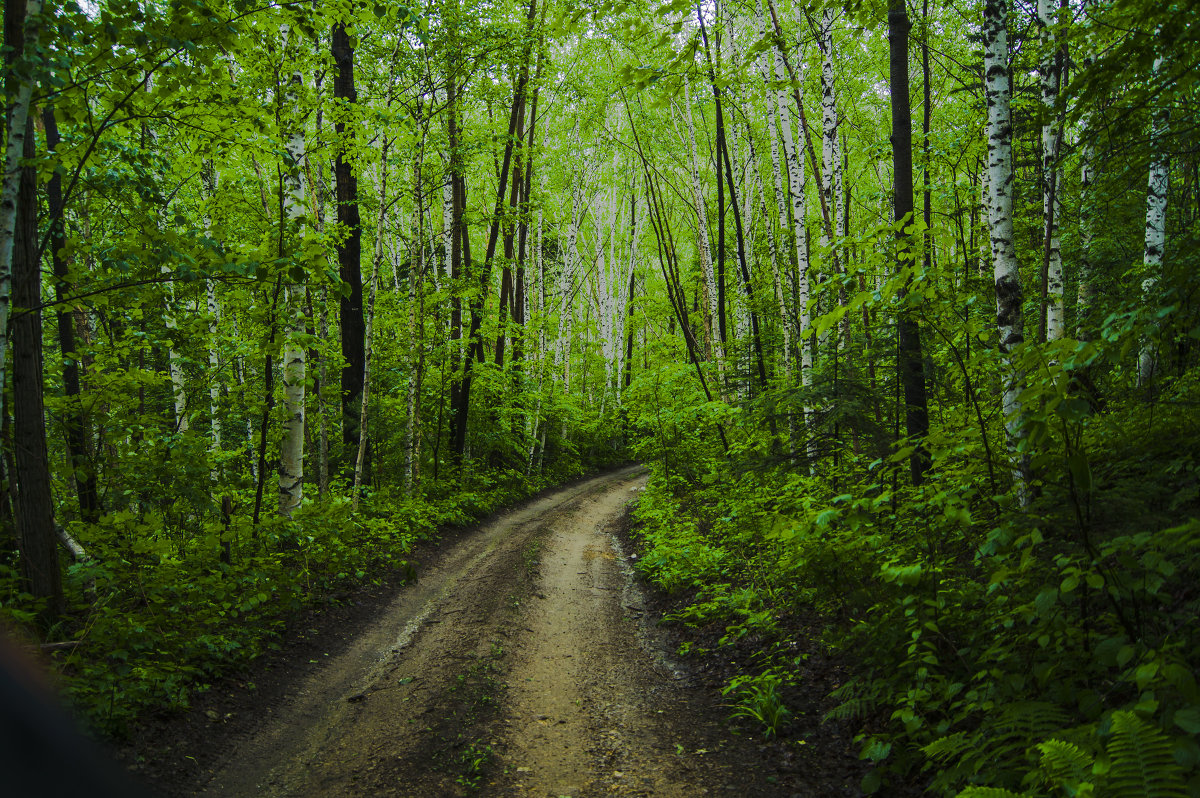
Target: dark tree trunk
[74,422]
[475,346]
[35,506]
[518,308]
[507,284]
[353,324]
[723,157]
[908,331]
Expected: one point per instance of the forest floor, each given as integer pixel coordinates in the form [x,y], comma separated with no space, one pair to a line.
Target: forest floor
[526,660]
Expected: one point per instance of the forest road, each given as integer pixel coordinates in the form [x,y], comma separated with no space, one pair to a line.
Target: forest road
[521,663]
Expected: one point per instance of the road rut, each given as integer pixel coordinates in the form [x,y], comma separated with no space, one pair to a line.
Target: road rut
[520,663]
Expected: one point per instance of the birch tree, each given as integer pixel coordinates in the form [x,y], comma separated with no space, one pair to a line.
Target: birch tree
[1005,269]
[291,446]
[1051,77]
[716,349]
[1157,184]
[23,30]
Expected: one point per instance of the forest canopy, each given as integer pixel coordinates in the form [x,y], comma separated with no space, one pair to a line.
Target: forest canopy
[896,300]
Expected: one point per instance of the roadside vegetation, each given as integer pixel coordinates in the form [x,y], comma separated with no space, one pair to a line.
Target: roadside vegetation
[897,301]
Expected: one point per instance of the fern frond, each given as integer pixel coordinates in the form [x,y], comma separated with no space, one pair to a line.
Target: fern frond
[1142,763]
[990,792]
[853,709]
[948,747]
[1036,720]
[1064,762]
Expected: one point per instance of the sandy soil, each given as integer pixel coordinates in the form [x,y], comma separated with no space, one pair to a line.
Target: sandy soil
[523,661]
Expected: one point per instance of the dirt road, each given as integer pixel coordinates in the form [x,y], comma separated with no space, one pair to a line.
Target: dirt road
[519,663]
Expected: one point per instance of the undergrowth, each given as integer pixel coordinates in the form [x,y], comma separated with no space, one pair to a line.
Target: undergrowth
[157,613]
[997,650]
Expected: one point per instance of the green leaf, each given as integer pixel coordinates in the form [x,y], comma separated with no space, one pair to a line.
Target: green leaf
[1081,471]
[1145,674]
[1188,719]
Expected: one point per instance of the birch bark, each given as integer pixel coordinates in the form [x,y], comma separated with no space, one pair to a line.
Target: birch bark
[1156,229]
[830,157]
[291,445]
[702,241]
[210,178]
[1087,152]
[1005,269]
[13,149]
[796,190]
[1051,78]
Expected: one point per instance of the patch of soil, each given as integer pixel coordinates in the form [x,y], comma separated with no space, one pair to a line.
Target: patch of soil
[527,659]
[173,753]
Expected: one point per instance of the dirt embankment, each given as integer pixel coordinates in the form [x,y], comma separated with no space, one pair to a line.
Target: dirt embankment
[522,662]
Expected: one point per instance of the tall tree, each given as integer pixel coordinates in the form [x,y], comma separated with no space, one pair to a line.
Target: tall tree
[21,21]
[908,330]
[1005,268]
[1051,69]
[291,225]
[75,420]
[1157,184]
[353,324]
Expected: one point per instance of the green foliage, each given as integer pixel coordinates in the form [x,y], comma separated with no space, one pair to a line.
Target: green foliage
[137,652]
[1140,760]
[1045,651]
[757,698]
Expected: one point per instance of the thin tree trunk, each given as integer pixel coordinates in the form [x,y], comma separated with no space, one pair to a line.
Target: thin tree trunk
[1005,268]
[1051,319]
[723,155]
[353,327]
[1086,297]
[796,190]
[912,374]
[376,260]
[1156,229]
[706,261]
[362,430]
[210,177]
[74,419]
[20,36]
[35,506]
[291,216]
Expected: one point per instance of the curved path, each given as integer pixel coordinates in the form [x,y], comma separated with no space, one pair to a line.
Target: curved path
[518,664]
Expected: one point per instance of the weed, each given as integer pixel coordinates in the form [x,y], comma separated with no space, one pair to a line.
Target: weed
[473,760]
[758,697]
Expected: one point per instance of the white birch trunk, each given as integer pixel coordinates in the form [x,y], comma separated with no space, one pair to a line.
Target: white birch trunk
[1005,268]
[291,445]
[829,145]
[782,287]
[795,168]
[1087,152]
[1052,183]
[13,152]
[416,303]
[702,240]
[1156,229]
[210,177]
